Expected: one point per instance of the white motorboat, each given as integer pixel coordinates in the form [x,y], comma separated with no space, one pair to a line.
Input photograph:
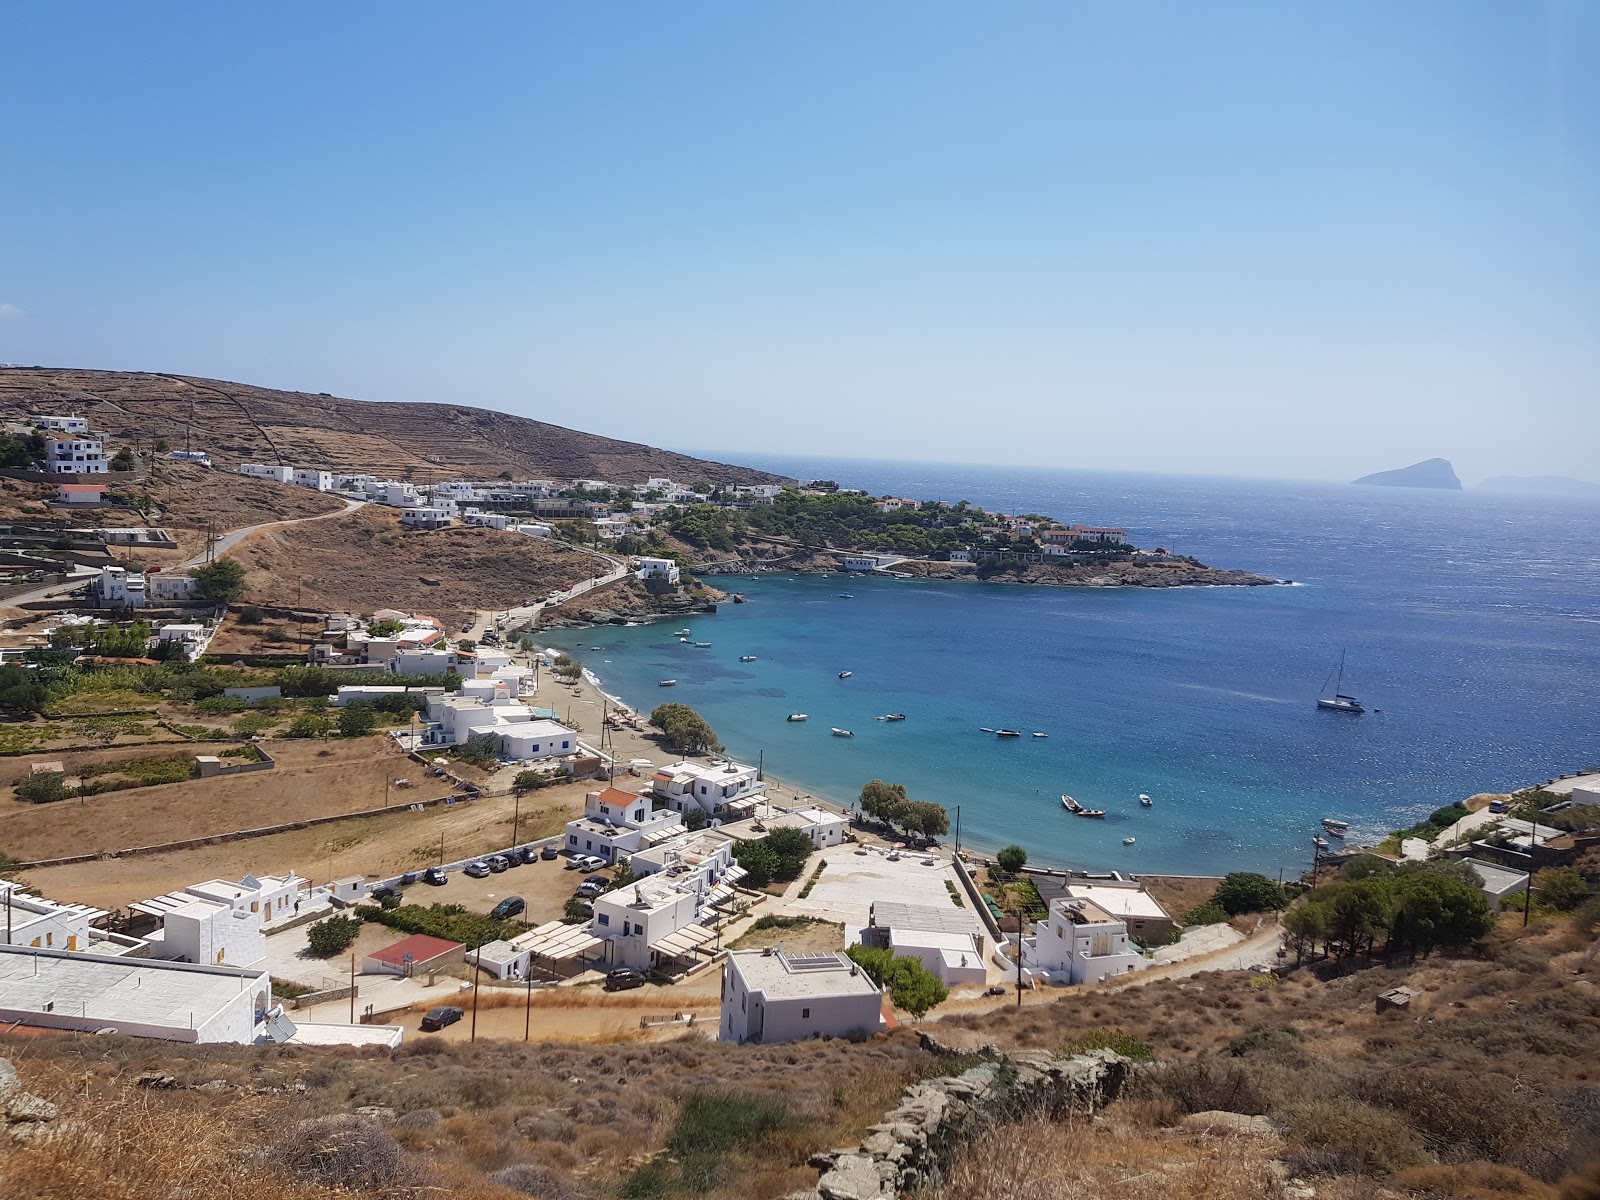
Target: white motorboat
[1007,733]
[1145,800]
[1128,841]
[747,658]
[846,674]
[668,683]
[703,645]
[837,732]
[796,717]
[1321,843]
[1041,735]
[1332,823]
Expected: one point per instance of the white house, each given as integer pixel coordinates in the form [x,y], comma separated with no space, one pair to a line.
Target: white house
[488,520]
[61,424]
[864,563]
[199,930]
[321,481]
[81,493]
[272,471]
[635,920]
[948,941]
[770,996]
[118,585]
[535,530]
[710,788]
[81,454]
[536,739]
[1080,943]
[419,516]
[616,823]
[423,661]
[165,587]
[658,568]
[396,495]
[453,719]
[825,826]
[1496,882]
[1127,900]
[698,860]
[34,921]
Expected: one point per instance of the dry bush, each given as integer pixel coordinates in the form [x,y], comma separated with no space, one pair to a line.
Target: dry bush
[347,1153]
[533,1180]
[1039,1159]
[1474,1181]
[1342,1137]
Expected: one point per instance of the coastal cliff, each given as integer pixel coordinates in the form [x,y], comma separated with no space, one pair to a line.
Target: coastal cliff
[1178,573]
[626,600]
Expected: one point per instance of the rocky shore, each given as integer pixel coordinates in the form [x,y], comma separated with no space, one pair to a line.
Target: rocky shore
[629,600]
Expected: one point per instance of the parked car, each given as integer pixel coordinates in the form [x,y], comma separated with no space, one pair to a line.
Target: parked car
[591,862]
[507,908]
[619,979]
[573,863]
[438,1018]
[600,879]
[588,891]
[477,870]
[408,877]
[527,855]
[550,853]
[496,863]
[435,877]
[382,893]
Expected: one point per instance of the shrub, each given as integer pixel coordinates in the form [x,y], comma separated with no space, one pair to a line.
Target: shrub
[911,985]
[1347,1133]
[792,847]
[345,1152]
[711,1128]
[480,750]
[309,725]
[1209,913]
[356,720]
[1012,859]
[449,921]
[1247,892]
[220,581]
[812,882]
[1562,888]
[43,788]
[1204,1084]
[1473,1181]
[331,935]
[533,1180]
[251,615]
[1117,1040]
[686,730]
[759,860]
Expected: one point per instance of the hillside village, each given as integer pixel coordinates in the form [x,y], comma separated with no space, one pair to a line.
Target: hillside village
[276,829]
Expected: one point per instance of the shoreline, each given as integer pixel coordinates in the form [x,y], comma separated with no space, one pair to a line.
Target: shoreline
[1103,576]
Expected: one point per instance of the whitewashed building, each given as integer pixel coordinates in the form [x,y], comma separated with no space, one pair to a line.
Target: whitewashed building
[1080,943]
[657,568]
[81,454]
[711,788]
[272,471]
[61,424]
[321,481]
[770,996]
[28,920]
[616,823]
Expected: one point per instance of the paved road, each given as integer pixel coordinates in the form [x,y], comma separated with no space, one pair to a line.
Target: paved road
[231,539]
[528,613]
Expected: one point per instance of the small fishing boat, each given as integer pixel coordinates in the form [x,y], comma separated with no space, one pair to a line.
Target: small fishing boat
[796,717]
[846,674]
[1041,735]
[594,647]
[669,683]
[1068,803]
[1145,800]
[1007,733]
[894,716]
[683,639]
[1321,843]
[747,658]
[1332,823]
[984,729]
[846,596]
[684,632]
[1127,841]
[1338,833]
[1091,812]
[837,732]
[703,645]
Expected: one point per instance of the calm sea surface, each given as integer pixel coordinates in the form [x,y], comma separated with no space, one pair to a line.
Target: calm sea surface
[1472,623]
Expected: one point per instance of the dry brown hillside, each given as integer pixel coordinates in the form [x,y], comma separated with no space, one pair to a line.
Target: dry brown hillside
[364,561]
[237,423]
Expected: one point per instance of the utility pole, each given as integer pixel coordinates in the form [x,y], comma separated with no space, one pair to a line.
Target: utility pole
[958,830]
[516,813]
[352,989]
[476,972]
[1019,953]
[527,1017]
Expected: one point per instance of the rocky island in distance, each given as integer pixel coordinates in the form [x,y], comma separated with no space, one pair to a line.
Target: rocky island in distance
[1430,473]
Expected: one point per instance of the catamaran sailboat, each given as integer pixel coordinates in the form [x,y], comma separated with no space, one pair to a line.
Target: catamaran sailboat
[1339,702]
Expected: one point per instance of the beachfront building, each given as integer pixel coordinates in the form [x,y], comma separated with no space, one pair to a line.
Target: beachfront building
[1079,943]
[634,921]
[616,823]
[657,568]
[720,789]
[949,942]
[452,718]
[76,454]
[770,996]
[1127,900]
[700,861]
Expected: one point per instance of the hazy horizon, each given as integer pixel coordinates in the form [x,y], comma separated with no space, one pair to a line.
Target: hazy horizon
[1238,240]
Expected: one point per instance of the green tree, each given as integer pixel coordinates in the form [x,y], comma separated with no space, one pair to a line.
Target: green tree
[1011,859]
[686,730]
[1247,892]
[43,788]
[21,690]
[759,860]
[328,937]
[309,725]
[122,460]
[1361,913]
[1562,888]
[1307,926]
[696,818]
[527,781]
[220,581]
[927,818]
[792,847]
[884,802]
[1433,908]
[481,750]
[356,720]
[910,985]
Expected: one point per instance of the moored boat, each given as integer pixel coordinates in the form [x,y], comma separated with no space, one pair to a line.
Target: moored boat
[846,674]
[1334,823]
[747,658]
[1145,800]
[668,683]
[1339,702]
[1127,841]
[837,732]
[796,717]
[703,645]
[1041,735]
[1321,843]
[894,716]
[1333,831]
[1007,733]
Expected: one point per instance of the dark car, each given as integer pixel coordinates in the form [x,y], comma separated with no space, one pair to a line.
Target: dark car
[434,876]
[528,854]
[496,863]
[409,877]
[600,879]
[438,1018]
[550,853]
[507,908]
[620,979]
[383,893]
[477,870]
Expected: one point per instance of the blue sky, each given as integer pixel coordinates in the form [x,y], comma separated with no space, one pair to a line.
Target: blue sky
[1232,237]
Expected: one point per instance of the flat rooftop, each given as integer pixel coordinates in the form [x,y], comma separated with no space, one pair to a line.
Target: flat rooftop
[927,917]
[1119,901]
[113,990]
[794,976]
[1495,877]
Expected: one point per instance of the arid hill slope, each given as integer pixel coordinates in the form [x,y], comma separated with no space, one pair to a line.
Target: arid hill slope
[237,423]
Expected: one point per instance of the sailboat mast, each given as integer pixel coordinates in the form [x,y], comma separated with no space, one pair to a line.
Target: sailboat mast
[1338,687]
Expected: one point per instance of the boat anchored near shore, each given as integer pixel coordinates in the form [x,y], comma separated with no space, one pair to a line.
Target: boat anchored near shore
[1078,810]
[796,717]
[837,732]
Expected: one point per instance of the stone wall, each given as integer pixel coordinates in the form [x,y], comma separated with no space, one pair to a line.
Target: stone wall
[913,1144]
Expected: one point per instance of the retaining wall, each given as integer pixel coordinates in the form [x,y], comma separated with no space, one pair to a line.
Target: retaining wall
[914,1143]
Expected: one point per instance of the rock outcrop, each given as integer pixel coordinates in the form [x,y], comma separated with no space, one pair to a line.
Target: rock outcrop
[23,1116]
[911,1147]
[1430,473]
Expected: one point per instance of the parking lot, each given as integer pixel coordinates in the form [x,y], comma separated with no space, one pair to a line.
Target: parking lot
[544,886]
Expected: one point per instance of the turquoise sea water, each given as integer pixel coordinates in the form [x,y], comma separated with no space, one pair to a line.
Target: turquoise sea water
[1472,624]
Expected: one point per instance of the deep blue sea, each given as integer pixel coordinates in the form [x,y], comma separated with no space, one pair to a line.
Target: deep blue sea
[1471,623]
